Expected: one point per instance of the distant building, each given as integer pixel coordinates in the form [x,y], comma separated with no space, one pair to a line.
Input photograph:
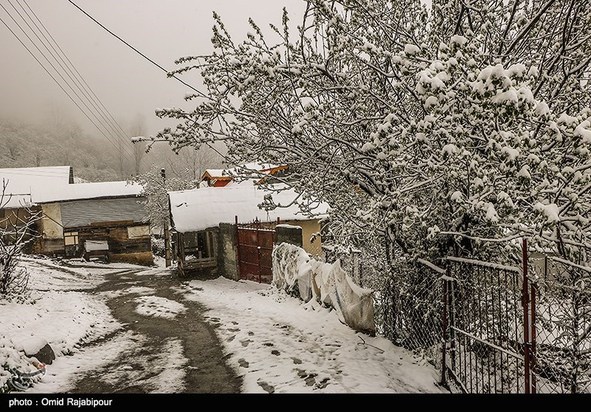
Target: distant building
[16,188]
[106,218]
[82,219]
[222,177]
[205,235]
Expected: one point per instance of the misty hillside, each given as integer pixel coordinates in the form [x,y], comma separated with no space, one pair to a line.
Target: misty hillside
[27,145]
[93,159]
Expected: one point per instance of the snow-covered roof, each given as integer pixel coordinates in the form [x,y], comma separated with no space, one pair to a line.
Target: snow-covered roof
[215,172]
[80,191]
[22,182]
[232,171]
[206,207]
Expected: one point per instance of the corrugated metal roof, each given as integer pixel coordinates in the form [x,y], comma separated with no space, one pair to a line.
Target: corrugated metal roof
[79,213]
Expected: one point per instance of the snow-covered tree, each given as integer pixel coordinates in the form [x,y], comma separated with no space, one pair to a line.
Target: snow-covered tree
[426,130]
[16,233]
[156,184]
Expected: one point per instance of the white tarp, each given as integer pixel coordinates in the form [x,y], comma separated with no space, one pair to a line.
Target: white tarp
[323,283]
[92,245]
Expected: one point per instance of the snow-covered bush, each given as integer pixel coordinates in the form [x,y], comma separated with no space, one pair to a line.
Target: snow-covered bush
[16,233]
[12,360]
[428,132]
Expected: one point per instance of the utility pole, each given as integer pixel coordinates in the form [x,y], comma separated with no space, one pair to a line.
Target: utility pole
[165,222]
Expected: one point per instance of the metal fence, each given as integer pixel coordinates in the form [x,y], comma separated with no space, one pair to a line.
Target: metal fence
[410,309]
[493,328]
[484,350]
[562,345]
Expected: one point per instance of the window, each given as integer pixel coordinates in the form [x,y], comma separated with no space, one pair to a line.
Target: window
[136,232]
[70,238]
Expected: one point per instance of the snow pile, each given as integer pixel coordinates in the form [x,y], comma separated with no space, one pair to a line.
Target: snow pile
[159,306]
[324,283]
[11,359]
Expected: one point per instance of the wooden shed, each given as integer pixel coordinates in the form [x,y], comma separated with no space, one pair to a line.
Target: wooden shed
[204,233]
[77,219]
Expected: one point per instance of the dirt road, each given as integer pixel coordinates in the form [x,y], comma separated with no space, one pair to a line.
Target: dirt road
[147,365]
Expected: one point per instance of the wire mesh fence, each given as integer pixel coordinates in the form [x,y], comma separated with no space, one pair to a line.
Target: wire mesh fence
[409,310]
[496,328]
[562,326]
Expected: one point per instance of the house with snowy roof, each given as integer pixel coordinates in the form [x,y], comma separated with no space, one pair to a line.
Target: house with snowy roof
[85,219]
[222,177]
[223,231]
[16,188]
[78,219]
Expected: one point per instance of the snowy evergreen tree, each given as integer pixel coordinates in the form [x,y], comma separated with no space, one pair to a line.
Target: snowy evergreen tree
[426,130]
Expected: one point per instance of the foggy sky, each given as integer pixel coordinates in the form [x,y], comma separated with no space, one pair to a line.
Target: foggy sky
[128,85]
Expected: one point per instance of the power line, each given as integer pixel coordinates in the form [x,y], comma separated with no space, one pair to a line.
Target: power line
[96,110]
[55,80]
[92,110]
[61,76]
[85,87]
[136,50]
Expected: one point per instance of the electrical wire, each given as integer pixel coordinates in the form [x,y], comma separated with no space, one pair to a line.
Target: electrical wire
[137,51]
[56,80]
[84,86]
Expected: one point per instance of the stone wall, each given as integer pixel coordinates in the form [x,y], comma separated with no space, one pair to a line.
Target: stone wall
[227,258]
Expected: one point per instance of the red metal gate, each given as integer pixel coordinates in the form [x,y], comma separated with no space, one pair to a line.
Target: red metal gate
[254,251]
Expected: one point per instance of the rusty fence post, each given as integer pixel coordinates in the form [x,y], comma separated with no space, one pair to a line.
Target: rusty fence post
[533,358]
[444,323]
[525,302]
[238,265]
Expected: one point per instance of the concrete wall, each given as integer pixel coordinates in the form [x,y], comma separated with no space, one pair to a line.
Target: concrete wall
[227,258]
[309,227]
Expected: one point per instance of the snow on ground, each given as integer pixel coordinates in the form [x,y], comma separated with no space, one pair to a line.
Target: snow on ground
[277,345]
[61,375]
[58,312]
[159,306]
[45,275]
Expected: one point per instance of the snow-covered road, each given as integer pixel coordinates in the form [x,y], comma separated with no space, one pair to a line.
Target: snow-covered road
[138,330]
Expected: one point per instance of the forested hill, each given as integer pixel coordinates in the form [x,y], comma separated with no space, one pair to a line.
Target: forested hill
[27,145]
[94,159]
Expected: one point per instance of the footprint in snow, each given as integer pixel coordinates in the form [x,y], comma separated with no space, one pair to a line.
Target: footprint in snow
[243,363]
[266,386]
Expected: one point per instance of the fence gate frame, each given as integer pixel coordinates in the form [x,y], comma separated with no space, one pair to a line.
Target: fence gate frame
[254,247]
[525,350]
